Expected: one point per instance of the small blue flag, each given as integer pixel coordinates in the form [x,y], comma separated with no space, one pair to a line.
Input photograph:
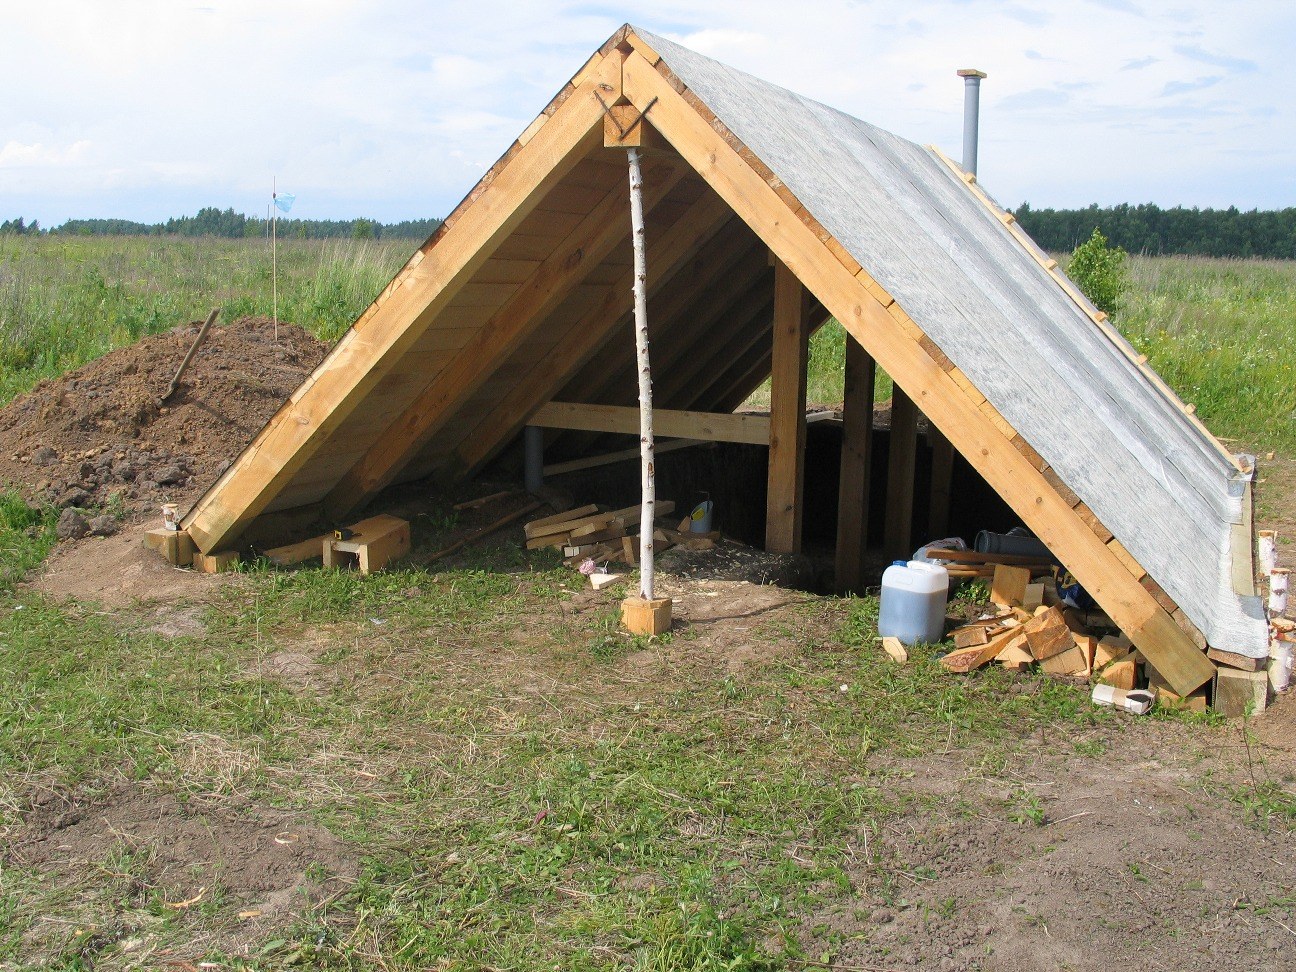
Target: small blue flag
[284,201]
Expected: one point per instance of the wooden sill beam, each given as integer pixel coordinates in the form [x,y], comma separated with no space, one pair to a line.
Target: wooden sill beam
[669,423]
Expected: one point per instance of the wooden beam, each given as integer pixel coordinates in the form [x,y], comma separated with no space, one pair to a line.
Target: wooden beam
[671,423]
[942,471]
[902,454]
[856,461]
[494,342]
[715,154]
[624,127]
[666,254]
[787,414]
[624,455]
[397,318]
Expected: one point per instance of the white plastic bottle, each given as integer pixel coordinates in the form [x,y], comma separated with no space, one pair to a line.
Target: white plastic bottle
[914,596]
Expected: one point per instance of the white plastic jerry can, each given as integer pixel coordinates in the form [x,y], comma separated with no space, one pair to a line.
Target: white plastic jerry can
[914,596]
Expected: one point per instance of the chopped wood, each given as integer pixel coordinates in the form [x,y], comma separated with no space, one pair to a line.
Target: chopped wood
[1233,660]
[485,531]
[1008,587]
[966,659]
[1015,659]
[970,637]
[1109,649]
[1123,673]
[1033,597]
[600,581]
[580,550]
[1048,634]
[896,649]
[1088,644]
[1069,662]
[629,548]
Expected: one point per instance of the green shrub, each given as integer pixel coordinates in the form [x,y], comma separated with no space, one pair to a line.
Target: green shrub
[1099,271]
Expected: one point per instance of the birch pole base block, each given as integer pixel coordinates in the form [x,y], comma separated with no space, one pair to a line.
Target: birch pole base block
[644,617]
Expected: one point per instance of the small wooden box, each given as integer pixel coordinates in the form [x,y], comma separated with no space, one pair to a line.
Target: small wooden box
[642,617]
[372,545]
[174,545]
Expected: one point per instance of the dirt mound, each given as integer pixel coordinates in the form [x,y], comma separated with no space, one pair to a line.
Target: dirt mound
[102,429]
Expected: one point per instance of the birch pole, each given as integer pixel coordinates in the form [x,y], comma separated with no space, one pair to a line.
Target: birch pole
[647,460]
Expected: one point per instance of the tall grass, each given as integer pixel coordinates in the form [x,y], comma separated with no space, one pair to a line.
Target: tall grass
[1221,332]
[67,300]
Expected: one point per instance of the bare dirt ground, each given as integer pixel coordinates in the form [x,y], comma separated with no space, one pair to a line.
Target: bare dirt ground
[103,430]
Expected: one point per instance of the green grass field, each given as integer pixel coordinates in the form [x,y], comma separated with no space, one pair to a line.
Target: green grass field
[1221,332]
[514,785]
[65,300]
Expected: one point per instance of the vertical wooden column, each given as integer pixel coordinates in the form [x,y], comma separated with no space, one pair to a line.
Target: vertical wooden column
[942,468]
[901,460]
[856,455]
[787,413]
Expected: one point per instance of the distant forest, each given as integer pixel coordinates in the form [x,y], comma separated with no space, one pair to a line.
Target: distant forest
[1149,229]
[217,222]
[1145,228]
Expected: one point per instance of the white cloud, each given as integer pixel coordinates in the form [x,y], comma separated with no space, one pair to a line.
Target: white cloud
[393,108]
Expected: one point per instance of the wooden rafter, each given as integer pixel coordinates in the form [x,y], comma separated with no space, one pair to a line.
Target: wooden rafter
[406,306]
[493,343]
[718,155]
[666,254]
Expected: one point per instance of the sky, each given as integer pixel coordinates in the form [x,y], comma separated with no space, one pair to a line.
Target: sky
[392,109]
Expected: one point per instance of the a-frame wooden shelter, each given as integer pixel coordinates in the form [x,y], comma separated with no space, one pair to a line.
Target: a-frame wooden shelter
[767,212]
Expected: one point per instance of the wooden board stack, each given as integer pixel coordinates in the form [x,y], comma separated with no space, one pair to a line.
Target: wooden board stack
[588,533]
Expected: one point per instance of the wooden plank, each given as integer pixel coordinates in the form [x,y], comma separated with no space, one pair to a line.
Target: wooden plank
[708,426]
[942,472]
[666,254]
[556,277]
[401,313]
[786,426]
[972,433]
[622,455]
[300,552]
[1231,659]
[856,456]
[542,526]
[902,458]
[1242,547]
[1239,693]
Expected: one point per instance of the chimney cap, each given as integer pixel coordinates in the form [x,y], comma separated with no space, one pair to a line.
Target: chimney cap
[972,73]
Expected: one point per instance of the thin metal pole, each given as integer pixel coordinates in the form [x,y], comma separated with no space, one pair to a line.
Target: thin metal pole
[971,116]
[533,456]
[647,510]
[274,257]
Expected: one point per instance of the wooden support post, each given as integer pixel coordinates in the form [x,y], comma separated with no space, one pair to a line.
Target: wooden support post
[942,469]
[902,455]
[856,453]
[787,413]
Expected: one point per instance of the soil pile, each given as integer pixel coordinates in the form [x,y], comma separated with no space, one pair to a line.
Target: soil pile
[103,429]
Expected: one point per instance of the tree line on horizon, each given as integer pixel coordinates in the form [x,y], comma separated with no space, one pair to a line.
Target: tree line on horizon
[1150,230]
[211,221]
[1145,228]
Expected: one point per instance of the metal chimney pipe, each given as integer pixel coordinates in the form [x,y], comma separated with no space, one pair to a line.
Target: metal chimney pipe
[971,116]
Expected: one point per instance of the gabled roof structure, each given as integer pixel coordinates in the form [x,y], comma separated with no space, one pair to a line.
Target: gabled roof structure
[514,304]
